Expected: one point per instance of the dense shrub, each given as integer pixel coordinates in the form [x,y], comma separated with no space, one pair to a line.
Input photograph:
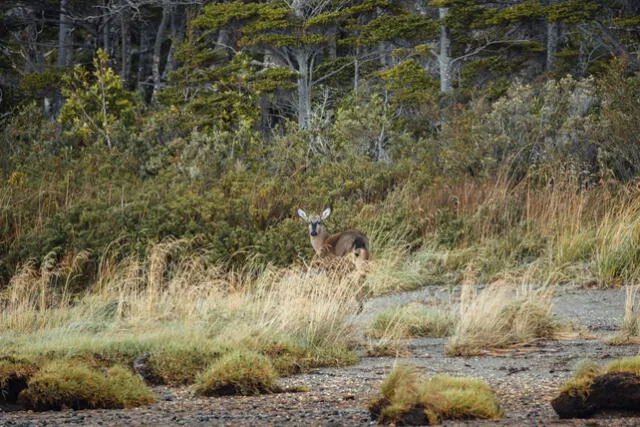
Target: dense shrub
[466,178]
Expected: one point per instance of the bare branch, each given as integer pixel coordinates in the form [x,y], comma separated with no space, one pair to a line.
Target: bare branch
[365,58]
[485,46]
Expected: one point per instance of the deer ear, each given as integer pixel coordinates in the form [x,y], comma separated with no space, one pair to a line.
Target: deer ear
[326,213]
[303,215]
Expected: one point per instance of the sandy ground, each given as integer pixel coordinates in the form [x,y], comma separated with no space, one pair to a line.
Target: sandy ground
[525,380]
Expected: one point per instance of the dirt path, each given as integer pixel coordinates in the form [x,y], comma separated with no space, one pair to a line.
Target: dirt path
[525,380]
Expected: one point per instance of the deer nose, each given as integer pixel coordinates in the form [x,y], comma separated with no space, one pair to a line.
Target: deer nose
[314,233]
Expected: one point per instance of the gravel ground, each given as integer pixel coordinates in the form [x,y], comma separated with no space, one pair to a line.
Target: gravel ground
[525,380]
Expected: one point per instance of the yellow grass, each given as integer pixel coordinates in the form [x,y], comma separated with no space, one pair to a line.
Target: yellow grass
[501,316]
[184,312]
[438,398]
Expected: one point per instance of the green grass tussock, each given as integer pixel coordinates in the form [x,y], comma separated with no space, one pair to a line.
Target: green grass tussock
[580,385]
[240,372]
[588,370]
[69,384]
[627,364]
[290,359]
[408,398]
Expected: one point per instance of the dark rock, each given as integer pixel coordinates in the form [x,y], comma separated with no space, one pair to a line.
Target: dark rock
[613,391]
[567,406]
[412,417]
[11,389]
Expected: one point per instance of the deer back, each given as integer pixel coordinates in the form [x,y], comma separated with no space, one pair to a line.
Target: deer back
[340,244]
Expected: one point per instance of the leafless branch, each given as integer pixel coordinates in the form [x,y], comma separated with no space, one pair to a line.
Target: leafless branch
[365,58]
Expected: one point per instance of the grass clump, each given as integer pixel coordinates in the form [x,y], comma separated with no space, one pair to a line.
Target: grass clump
[14,375]
[627,364]
[240,372]
[413,320]
[499,317]
[65,384]
[588,370]
[185,314]
[290,359]
[408,398]
[580,385]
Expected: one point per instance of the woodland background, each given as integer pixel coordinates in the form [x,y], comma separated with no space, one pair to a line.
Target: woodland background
[499,133]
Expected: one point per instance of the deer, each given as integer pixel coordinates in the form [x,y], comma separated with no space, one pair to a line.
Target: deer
[350,242]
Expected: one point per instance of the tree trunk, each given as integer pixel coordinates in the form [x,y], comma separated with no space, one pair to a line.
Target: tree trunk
[383,47]
[64,37]
[304,91]
[356,71]
[553,38]
[444,58]
[157,52]
[552,44]
[177,36]
[225,40]
[125,36]
[106,30]
[333,43]
[143,59]
[53,99]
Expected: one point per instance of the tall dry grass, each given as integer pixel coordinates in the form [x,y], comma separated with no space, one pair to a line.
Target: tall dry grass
[630,331]
[178,304]
[631,321]
[501,316]
[496,228]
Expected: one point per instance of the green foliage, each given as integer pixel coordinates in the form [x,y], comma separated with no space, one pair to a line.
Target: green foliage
[216,15]
[489,72]
[96,103]
[240,372]
[531,9]
[412,91]
[39,83]
[68,384]
[572,11]
[617,132]
[213,92]
[403,26]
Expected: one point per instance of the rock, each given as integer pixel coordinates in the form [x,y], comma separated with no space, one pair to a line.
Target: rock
[567,406]
[612,391]
[415,416]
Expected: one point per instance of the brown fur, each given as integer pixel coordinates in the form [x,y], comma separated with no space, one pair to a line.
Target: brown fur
[337,244]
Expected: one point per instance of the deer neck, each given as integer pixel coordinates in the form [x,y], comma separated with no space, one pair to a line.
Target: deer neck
[319,242]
